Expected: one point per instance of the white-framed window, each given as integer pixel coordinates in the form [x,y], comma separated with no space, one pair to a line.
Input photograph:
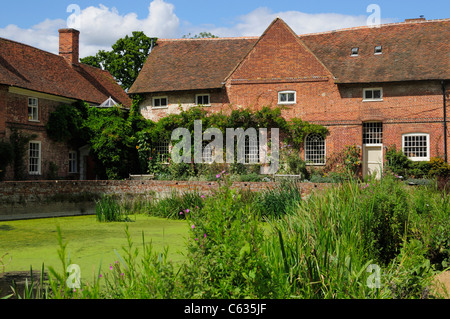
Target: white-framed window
[315,149]
[372,133]
[33,109]
[378,49]
[416,146]
[373,94]
[207,152]
[161,150]
[287,97]
[355,52]
[34,158]
[160,102]
[73,163]
[202,99]
[251,153]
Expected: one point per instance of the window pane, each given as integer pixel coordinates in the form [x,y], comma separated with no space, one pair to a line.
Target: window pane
[283,97]
[291,97]
[207,154]
[34,158]
[415,146]
[368,94]
[377,94]
[251,150]
[164,101]
[373,133]
[315,149]
[162,151]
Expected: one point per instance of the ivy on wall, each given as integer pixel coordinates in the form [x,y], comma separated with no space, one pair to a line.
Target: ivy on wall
[19,144]
[110,133]
[292,132]
[122,141]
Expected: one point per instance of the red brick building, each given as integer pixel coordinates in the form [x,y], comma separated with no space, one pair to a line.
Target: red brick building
[371,86]
[32,84]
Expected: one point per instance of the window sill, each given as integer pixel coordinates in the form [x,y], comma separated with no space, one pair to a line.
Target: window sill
[34,121]
[374,100]
[419,159]
[159,107]
[315,164]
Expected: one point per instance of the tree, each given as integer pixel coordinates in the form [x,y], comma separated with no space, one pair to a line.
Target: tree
[126,58]
[201,35]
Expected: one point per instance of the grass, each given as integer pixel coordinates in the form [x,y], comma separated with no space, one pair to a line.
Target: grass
[269,245]
[90,243]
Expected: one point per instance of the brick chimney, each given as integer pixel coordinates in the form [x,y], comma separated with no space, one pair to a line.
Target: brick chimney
[416,19]
[69,45]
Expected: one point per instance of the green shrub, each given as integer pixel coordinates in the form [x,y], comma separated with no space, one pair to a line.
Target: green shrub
[331,177]
[411,275]
[278,201]
[176,205]
[388,204]
[296,165]
[397,162]
[108,209]
[438,167]
[225,237]
[431,224]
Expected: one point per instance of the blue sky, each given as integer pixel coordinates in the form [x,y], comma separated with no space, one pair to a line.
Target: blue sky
[102,22]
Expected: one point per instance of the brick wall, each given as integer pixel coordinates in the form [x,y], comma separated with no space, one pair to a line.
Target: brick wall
[59,198]
[17,117]
[281,62]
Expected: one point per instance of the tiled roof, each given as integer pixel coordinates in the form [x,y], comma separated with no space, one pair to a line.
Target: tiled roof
[191,64]
[418,50]
[414,50]
[27,67]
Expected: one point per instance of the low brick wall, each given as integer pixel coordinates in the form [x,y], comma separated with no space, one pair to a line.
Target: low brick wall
[38,199]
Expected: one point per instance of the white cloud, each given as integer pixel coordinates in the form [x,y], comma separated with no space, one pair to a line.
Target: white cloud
[100,27]
[42,35]
[256,22]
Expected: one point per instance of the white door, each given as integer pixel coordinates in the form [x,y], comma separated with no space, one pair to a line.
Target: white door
[373,160]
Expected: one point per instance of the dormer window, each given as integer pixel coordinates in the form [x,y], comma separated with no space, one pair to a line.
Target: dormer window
[355,52]
[378,49]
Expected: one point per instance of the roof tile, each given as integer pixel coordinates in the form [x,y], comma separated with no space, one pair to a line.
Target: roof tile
[30,68]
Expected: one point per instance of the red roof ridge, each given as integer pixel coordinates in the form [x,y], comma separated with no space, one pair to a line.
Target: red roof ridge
[212,39]
[94,67]
[408,22]
[29,46]
[412,21]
